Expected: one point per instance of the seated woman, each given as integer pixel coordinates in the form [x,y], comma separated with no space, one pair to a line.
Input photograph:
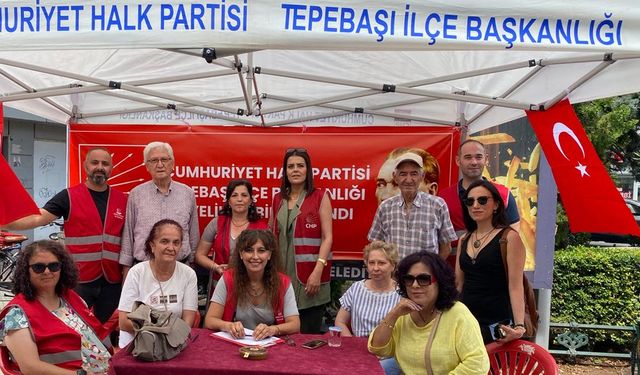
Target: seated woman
[161,282]
[253,293]
[428,328]
[47,327]
[366,302]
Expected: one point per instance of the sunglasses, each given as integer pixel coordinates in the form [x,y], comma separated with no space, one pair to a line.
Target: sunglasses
[423,279]
[300,150]
[481,201]
[40,267]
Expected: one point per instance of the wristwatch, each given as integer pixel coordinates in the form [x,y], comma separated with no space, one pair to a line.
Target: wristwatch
[323,261]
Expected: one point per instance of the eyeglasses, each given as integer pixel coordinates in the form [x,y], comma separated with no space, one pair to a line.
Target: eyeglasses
[481,201]
[300,150]
[40,267]
[159,160]
[423,279]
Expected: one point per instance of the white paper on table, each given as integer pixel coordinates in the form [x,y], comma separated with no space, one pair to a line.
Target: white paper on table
[248,339]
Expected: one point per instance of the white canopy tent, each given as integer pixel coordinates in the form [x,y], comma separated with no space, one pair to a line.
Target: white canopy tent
[299,64]
[474,63]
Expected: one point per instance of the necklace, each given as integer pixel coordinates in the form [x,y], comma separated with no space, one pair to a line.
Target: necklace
[479,241]
[256,291]
[430,316]
[239,225]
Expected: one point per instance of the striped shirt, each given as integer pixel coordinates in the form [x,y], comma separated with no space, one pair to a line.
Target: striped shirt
[146,206]
[425,227]
[367,308]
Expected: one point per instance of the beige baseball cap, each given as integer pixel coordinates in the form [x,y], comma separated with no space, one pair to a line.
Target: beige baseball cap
[409,156]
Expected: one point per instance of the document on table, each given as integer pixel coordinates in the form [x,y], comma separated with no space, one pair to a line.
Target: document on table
[248,339]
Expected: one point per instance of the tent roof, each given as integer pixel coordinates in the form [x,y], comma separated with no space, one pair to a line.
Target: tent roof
[270,76]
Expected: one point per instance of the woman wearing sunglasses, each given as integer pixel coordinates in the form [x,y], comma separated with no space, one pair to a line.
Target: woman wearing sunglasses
[47,327]
[252,293]
[494,298]
[302,225]
[428,329]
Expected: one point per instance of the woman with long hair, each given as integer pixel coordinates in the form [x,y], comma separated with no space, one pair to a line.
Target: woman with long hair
[47,327]
[160,282]
[219,237]
[252,293]
[303,227]
[494,298]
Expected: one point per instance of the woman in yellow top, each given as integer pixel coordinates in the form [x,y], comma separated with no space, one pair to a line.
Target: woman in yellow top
[439,335]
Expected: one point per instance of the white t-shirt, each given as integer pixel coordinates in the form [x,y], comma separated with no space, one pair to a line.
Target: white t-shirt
[180,292]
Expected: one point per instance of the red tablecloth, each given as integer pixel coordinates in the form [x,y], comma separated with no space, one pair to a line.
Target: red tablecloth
[211,355]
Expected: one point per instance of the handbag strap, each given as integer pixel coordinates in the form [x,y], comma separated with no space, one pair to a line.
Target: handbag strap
[427,349]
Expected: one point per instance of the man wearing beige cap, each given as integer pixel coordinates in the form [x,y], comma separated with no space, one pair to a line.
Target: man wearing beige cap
[413,220]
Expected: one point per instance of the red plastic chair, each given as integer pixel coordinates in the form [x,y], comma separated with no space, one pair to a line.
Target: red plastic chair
[520,357]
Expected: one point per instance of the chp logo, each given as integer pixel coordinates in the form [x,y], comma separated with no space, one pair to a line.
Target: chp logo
[312,221]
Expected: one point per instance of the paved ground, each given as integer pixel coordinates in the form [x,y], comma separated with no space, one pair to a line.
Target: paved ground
[597,366]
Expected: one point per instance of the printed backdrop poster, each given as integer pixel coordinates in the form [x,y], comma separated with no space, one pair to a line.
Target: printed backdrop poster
[346,161]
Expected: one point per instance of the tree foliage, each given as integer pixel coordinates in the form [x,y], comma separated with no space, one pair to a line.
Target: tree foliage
[612,127]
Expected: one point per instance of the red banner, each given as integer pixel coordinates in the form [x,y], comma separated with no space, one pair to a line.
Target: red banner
[589,196]
[346,161]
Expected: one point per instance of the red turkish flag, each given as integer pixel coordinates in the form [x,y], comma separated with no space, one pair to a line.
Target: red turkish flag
[15,202]
[589,196]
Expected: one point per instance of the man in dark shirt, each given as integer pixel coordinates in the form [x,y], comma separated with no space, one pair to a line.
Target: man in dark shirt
[472,159]
[94,217]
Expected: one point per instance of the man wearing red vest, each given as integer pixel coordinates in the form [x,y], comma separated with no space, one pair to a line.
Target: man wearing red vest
[471,160]
[94,216]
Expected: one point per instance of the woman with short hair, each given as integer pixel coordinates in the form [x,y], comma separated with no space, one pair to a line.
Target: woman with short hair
[428,328]
[161,282]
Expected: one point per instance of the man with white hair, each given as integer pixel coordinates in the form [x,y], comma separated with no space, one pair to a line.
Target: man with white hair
[152,201]
[413,220]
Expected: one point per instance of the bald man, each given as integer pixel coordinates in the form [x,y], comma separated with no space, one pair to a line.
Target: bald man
[94,216]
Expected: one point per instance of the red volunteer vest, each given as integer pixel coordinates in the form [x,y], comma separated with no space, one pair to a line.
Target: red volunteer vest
[454,204]
[57,343]
[307,235]
[220,248]
[231,302]
[94,247]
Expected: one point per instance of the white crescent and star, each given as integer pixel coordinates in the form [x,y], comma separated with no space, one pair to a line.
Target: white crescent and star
[559,129]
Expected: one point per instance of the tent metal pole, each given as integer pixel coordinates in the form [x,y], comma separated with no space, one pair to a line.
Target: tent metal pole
[363,93]
[347,109]
[123,86]
[247,101]
[593,72]
[249,84]
[387,88]
[589,58]
[31,89]
[473,73]
[508,92]
[59,92]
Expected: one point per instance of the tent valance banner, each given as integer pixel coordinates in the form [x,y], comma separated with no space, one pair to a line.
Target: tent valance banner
[341,24]
[354,166]
[589,196]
